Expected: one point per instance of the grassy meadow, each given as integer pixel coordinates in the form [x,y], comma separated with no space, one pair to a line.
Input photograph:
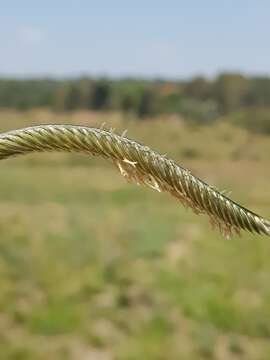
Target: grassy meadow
[94,268]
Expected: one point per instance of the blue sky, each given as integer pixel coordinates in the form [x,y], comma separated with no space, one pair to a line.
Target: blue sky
[153,38]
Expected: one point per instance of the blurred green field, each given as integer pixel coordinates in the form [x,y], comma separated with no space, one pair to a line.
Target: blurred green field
[94,268]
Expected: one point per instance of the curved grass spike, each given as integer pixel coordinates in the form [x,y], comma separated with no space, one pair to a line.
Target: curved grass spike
[140,164]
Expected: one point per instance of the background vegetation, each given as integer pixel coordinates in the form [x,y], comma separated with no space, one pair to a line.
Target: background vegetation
[244,100]
[93,268]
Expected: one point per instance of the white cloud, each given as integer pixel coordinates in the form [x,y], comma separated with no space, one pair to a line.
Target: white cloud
[30,36]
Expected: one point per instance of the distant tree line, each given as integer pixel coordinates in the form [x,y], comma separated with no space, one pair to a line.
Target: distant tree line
[199,99]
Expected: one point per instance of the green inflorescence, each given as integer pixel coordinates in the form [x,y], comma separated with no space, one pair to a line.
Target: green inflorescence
[140,164]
